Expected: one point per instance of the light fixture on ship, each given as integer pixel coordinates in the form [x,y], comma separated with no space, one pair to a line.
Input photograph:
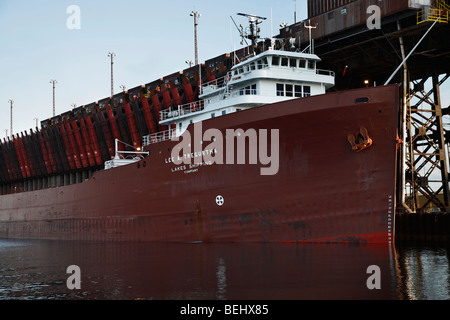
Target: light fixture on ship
[122,158]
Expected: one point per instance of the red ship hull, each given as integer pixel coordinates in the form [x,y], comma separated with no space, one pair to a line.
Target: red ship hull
[323,191]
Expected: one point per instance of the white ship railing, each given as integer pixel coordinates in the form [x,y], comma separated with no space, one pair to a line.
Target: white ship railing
[217,83]
[182,110]
[158,137]
[325,72]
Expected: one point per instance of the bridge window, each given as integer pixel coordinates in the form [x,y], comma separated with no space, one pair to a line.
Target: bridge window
[302,63]
[265,62]
[298,91]
[306,91]
[248,90]
[311,64]
[280,90]
[293,62]
[275,61]
[290,90]
[260,64]
[284,62]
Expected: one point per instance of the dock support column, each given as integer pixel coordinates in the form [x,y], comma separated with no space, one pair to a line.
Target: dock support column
[426,163]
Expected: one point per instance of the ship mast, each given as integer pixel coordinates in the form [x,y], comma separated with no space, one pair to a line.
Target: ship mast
[112,55]
[253,34]
[54,82]
[311,40]
[196,15]
[11,101]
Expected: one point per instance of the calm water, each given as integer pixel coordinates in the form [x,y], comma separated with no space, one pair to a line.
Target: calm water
[31,270]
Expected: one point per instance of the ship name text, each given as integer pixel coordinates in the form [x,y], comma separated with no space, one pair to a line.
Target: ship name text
[234,146]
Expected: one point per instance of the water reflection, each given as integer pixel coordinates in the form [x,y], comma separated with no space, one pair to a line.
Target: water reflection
[221,279]
[37,270]
[423,273]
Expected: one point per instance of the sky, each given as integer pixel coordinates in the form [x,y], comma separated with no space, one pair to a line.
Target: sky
[43,40]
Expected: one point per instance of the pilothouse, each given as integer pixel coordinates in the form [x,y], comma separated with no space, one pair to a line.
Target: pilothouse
[268,77]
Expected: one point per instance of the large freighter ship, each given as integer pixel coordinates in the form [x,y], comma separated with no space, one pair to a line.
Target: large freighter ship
[247,148]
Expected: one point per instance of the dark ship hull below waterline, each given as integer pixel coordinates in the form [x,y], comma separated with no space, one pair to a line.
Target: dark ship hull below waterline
[324,190]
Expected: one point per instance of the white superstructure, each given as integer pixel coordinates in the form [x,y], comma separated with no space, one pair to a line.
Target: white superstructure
[269,77]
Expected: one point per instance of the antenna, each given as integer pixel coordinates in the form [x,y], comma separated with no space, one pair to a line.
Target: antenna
[251,16]
[241,31]
[310,27]
[271,29]
[253,35]
[295,11]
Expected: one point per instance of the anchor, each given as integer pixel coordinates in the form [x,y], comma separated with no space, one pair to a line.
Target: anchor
[361,141]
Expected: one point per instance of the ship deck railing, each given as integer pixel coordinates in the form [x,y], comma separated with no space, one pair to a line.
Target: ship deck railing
[158,137]
[216,83]
[182,110]
[325,72]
